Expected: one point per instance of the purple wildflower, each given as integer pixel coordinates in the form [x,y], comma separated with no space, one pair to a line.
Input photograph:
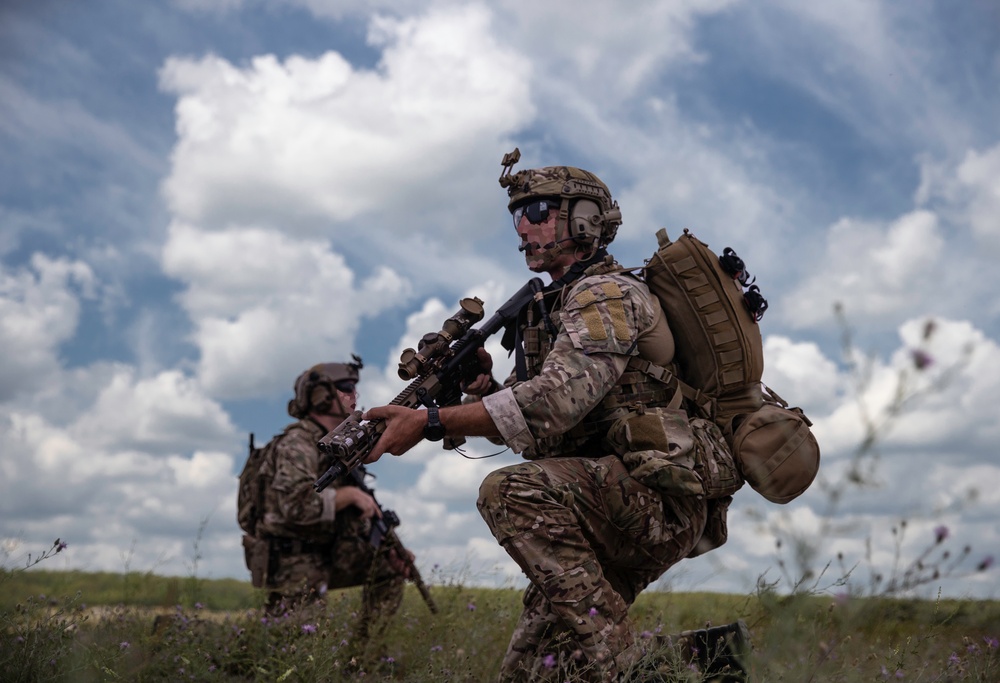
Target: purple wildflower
[991,643]
[549,661]
[940,533]
[593,611]
[985,564]
[198,605]
[646,635]
[471,607]
[308,628]
[436,648]
[123,645]
[921,359]
[60,545]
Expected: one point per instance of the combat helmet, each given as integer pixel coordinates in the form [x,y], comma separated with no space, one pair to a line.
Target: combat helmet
[314,388]
[587,212]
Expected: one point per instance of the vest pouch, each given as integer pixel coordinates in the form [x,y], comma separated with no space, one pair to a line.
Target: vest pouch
[677,456]
[257,553]
[777,453]
[716,530]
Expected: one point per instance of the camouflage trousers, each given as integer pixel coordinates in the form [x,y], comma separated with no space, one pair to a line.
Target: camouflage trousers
[305,579]
[589,538]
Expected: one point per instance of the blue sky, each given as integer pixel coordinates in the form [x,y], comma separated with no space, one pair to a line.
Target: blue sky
[198,200]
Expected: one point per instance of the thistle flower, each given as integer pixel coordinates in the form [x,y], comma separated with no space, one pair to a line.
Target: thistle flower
[940,533]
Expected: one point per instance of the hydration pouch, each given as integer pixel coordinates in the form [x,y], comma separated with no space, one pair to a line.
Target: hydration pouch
[776,451]
[257,554]
[675,455]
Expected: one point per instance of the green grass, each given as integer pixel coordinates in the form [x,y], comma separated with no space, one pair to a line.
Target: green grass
[75,626]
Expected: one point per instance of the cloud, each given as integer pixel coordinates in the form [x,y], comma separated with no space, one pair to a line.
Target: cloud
[163,414]
[800,373]
[317,137]
[874,270]
[979,176]
[147,459]
[39,311]
[599,43]
[261,302]
[867,64]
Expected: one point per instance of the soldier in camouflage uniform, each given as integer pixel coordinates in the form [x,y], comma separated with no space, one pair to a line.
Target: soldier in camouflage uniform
[319,541]
[588,535]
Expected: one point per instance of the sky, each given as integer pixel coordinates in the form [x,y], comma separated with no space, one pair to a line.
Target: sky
[199,199]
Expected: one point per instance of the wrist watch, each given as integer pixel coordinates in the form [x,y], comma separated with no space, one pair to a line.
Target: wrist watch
[433,430]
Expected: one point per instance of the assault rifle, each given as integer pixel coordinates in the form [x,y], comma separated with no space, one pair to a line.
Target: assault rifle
[383,533]
[442,361]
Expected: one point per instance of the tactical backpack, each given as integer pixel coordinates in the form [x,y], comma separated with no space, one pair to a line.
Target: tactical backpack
[713,308]
[250,497]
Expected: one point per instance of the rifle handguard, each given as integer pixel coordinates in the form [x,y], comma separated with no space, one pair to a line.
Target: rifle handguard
[348,445]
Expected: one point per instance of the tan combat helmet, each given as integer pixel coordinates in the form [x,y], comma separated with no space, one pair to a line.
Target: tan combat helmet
[314,388]
[587,213]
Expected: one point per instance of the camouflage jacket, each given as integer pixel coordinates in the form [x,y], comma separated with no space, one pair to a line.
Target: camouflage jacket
[291,507]
[601,320]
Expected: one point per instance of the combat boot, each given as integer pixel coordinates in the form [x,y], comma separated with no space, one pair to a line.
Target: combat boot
[721,653]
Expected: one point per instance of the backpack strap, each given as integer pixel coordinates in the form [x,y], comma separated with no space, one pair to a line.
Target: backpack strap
[704,403]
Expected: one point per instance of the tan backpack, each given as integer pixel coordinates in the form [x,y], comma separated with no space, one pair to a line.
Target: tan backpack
[713,309]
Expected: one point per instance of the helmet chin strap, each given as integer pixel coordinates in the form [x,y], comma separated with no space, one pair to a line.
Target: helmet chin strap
[550,251]
[337,403]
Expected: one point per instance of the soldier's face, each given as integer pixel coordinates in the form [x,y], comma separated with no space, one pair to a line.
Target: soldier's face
[347,393]
[536,225]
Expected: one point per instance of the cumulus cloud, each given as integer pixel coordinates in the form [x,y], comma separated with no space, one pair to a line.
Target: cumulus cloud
[800,373]
[162,414]
[39,310]
[144,466]
[874,270]
[334,141]
[262,302]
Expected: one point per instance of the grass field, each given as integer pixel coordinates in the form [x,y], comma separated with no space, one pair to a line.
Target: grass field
[74,626]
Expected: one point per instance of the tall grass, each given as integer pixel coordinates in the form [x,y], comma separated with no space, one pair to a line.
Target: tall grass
[56,635]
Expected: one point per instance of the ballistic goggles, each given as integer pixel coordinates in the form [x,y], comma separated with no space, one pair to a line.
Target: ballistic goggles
[536,212]
[346,386]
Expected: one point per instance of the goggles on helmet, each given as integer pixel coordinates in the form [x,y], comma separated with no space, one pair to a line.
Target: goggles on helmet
[537,211]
